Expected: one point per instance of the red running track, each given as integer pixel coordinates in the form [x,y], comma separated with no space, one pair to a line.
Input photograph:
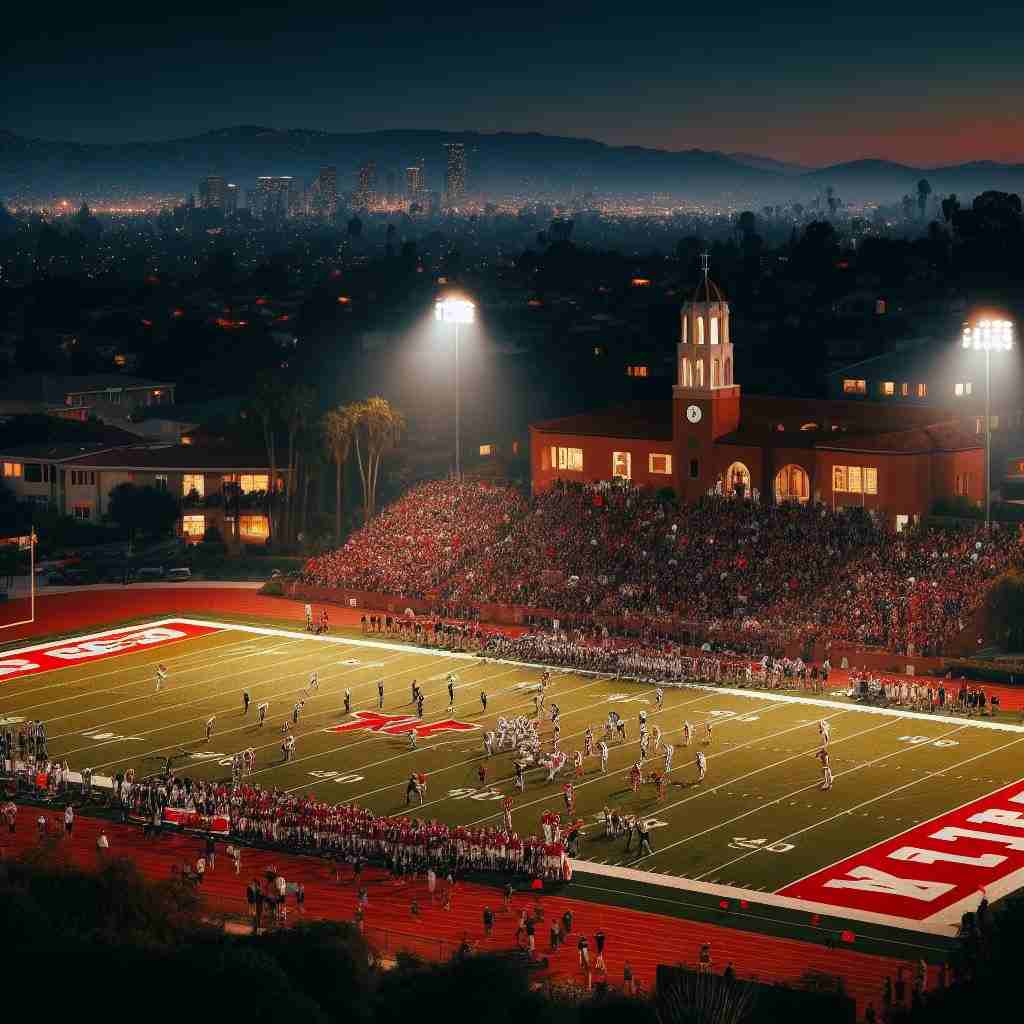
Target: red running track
[644,939]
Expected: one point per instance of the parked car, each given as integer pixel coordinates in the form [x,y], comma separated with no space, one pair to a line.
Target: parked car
[178,575]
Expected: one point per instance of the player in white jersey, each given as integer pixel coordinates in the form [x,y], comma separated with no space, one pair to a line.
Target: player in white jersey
[209,727]
[643,720]
[577,762]
[825,730]
[160,675]
[702,765]
[602,749]
[826,769]
[489,742]
[656,736]
[707,731]
[659,697]
[314,682]
[261,710]
[644,744]
[588,742]
[288,747]
[412,739]
[687,733]
[669,752]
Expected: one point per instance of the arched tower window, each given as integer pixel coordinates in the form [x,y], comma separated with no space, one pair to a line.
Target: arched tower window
[728,373]
[715,382]
[737,479]
[714,330]
[687,373]
[792,484]
[699,382]
[699,340]
[685,321]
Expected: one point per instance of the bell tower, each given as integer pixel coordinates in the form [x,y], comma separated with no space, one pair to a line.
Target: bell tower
[705,401]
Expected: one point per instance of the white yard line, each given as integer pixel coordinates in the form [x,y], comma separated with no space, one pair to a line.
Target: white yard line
[874,799]
[788,796]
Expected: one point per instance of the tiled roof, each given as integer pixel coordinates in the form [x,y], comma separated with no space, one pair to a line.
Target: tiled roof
[651,420]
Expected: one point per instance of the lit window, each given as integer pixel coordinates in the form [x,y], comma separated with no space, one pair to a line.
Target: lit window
[854,480]
[622,465]
[636,371]
[887,387]
[160,481]
[487,449]
[661,464]
[567,458]
[809,426]
[81,511]
[714,330]
[253,527]
[905,389]
[962,484]
[12,469]
[193,482]
[699,340]
[958,389]
[994,422]
[967,387]
[252,483]
[922,390]
[193,526]
[855,387]
[82,478]
[963,387]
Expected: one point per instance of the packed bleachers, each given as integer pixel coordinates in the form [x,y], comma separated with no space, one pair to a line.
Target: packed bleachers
[751,575]
[433,531]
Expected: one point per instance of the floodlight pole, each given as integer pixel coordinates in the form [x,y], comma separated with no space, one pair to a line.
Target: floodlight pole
[988,437]
[458,438]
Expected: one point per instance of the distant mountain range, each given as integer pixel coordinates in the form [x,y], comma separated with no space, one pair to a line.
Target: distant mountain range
[498,163]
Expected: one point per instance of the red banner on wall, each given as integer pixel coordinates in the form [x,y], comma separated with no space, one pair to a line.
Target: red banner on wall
[46,657]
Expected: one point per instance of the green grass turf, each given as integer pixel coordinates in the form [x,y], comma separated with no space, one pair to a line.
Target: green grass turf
[762,780]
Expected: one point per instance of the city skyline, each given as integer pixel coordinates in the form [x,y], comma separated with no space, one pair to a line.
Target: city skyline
[808,84]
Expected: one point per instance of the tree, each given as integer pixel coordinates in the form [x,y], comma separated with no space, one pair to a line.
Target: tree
[924,190]
[147,510]
[907,203]
[832,199]
[950,207]
[339,427]
[297,408]
[265,404]
[377,430]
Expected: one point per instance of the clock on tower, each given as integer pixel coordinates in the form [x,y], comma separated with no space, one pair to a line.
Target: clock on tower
[705,399]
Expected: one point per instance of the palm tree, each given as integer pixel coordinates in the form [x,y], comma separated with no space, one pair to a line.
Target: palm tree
[339,428]
[378,429]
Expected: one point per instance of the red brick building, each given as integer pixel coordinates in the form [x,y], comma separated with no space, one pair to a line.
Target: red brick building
[708,436]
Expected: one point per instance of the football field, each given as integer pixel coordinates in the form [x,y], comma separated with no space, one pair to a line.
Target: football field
[925,809]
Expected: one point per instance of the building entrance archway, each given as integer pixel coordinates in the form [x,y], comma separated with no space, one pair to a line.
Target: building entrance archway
[737,480]
[792,484]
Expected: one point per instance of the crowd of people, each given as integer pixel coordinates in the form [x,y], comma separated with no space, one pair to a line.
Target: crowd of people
[434,531]
[747,575]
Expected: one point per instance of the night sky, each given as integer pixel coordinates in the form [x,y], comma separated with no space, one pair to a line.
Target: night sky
[813,83]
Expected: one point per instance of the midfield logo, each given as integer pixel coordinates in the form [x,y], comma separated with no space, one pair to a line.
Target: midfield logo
[400,725]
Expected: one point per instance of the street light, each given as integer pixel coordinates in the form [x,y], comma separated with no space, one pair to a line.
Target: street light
[988,336]
[455,311]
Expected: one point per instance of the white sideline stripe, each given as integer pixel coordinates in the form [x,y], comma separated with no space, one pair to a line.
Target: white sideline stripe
[732,892]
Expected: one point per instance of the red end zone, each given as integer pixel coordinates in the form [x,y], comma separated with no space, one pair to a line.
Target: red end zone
[930,867]
[45,657]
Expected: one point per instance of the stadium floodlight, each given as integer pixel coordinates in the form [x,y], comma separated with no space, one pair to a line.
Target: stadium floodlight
[988,335]
[453,310]
[457,311]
